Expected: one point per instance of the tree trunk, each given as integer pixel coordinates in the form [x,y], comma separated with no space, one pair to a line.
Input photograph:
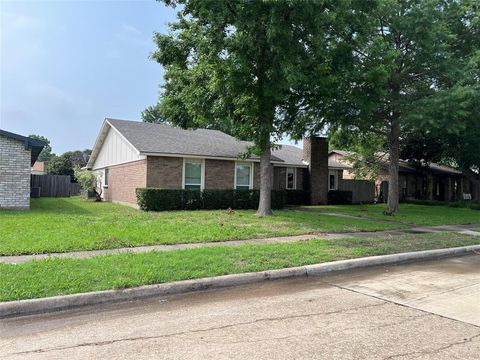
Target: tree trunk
[265,203]
[394,154]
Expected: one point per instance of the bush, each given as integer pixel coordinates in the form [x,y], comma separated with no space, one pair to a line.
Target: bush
[298,197]
[151,199]
[154,199]
[88,183]
[339,197]
[218,199]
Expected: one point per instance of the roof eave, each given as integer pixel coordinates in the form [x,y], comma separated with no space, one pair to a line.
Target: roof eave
[200,156]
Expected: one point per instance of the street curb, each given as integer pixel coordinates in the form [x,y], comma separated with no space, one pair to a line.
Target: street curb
[56,303]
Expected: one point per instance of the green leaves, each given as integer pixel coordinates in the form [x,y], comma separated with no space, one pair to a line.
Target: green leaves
[414,62]
[250,67]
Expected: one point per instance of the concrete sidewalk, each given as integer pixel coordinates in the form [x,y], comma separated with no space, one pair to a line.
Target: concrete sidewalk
[463,229]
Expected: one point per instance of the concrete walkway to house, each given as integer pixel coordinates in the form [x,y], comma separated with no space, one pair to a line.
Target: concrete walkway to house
[462,229]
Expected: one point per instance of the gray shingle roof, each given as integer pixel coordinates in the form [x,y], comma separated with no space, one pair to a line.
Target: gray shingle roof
[337,165]
[404,165]
[290,154]
[151,138]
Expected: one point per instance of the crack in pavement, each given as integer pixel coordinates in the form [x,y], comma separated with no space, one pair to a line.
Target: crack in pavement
[434,351]
[140,338]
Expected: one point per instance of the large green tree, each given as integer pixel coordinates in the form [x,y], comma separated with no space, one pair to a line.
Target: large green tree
[61,165]
[407,57]
[66,163]
[46,153]
[250,68]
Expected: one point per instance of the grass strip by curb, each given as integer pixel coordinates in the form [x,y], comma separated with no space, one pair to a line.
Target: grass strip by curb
[52,277]
[64,302]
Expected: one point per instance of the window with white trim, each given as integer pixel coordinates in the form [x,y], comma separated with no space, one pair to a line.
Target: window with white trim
[192,174]
[105,177]
[291,183]
[243,176]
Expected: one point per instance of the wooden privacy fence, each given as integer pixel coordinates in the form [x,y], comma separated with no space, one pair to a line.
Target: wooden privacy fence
[54,185]
[363,191]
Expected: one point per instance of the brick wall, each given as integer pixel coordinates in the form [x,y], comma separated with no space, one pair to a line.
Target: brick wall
[280,178]
[164,172]
[124,179]
[167,172]
[219,174]
[14,174]
[256,176]
[315,152]
[301,178]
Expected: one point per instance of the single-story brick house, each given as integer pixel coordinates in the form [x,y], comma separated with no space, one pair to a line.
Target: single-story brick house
[131,154]
[435,182]
[17,155]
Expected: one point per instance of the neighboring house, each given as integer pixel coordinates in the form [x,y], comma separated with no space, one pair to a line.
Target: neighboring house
[130,154]
[17,155]
[39,168]
[435,182]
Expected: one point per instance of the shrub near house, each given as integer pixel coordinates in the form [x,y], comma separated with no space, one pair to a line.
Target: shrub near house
[151,199]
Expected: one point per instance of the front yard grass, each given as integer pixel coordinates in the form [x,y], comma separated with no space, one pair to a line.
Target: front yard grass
[71,224]
[52,277]
[413,214]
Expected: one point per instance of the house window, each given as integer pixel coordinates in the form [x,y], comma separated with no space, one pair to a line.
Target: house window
[243,176]
[291,183]
[193,174]
[404,187]
[332,180]
[105,177]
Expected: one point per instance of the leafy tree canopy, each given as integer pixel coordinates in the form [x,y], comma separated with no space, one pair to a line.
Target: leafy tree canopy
[60,165]
[66,163]
[251,68]
[407,73]
[46,153]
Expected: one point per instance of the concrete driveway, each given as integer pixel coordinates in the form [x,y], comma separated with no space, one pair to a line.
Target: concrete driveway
[418,311]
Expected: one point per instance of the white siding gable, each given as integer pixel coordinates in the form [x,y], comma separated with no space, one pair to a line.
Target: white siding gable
[115,150]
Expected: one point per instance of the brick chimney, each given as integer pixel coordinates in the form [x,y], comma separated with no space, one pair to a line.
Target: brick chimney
[315,154]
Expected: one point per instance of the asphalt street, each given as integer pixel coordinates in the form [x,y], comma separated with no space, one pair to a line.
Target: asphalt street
[427,310]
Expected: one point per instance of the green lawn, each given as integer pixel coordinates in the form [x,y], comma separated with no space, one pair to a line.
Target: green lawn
[67,276]
[408,214]
[70,224]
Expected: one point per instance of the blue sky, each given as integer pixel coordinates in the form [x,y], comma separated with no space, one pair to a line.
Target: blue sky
[66,65]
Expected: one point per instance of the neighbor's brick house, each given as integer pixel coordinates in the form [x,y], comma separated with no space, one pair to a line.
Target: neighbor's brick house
[130,154]
[435,182]
[17,155]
